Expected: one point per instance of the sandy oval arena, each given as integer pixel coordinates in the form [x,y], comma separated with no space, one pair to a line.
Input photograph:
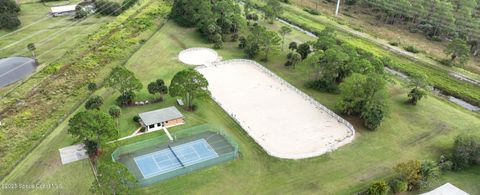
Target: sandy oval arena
[198,56]
[283,120]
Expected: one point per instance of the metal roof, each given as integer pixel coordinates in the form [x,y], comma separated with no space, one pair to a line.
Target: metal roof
[60,9]
[446,189]
[160,115]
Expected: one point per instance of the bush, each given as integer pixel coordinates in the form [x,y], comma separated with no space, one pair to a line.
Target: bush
[350,2]
[411,49]
[394,43]
[115,111]
[378,188]
[126,98]
[136,119]
[312,11]
[94,102]
[466,151]
[142,129]
[9,21]
[108,8]
[92,86]
[128,4]
[398,186]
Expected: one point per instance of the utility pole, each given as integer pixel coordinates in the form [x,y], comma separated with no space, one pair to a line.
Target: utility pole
[338,6]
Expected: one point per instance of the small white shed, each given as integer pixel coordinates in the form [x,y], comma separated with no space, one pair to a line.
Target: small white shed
[446,189]
[63,10]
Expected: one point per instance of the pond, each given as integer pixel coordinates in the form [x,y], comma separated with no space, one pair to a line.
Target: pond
[13,69]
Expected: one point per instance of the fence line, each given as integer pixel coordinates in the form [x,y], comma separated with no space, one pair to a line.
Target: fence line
[332,146]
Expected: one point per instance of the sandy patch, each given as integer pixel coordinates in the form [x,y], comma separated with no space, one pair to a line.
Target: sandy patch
[283,120]
[198,56]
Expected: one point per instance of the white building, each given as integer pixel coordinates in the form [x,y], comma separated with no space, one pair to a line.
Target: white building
[63,10]
[157,119]
[446,189]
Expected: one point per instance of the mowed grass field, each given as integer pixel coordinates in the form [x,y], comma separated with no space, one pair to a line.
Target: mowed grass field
[421,132]
[52,36]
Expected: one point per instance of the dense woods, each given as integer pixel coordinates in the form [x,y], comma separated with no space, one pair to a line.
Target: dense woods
[217,20]
[9,14]
[437,19]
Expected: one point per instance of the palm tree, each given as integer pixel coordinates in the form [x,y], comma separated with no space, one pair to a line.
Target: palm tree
[31,47]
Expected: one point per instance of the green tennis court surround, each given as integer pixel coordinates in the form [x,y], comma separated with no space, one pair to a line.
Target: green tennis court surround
[155,160]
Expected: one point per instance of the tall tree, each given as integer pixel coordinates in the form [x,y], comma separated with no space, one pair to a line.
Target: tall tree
[418,81]
[458,49]
[272,10]
[93,126]
[364,95]
[284,30]
[159,87]
[125,82]
[94,103]
[113,178]
[9,14]
[190,85]
[31,47]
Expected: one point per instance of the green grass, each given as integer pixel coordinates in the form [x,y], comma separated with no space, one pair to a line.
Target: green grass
[409,132]
[438,75]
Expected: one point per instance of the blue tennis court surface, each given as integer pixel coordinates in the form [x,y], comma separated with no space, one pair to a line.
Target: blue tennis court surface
[164,161]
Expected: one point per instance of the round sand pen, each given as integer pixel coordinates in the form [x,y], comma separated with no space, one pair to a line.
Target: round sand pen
[198,56]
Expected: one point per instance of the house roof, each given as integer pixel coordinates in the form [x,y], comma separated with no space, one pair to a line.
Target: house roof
[160,115]
[66,8]
[446,189]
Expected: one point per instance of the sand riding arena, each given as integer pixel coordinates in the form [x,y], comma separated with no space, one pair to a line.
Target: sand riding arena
[286,122]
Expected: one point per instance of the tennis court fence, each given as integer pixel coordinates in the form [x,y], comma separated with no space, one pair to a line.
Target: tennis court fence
[219,140]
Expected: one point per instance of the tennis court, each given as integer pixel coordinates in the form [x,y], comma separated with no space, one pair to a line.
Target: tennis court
[174,158]
[157,159]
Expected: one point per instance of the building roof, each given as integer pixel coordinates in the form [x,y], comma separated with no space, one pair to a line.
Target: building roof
[160,115]
[60,9]
[446,189]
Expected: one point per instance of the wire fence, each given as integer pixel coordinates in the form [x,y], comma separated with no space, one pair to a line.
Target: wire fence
[219,140]
[337,143]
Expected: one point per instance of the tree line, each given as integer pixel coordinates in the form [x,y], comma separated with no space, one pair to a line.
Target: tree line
[219,21]
[9,14]
[437,19]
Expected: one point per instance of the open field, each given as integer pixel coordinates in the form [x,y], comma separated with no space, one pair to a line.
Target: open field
[408,133]
[55,92]
[283,121]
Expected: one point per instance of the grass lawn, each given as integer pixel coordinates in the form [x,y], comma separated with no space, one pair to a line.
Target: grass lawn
[53,36]
[420,132]
[408,133]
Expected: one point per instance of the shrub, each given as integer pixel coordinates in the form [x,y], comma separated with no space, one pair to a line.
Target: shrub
[9,20]
[108,8]
[398,186]
[350,2]
[394,43]
[312,11]
[136,119]
[92,86]
[94,102]
[126,98]
[142,129]
[128,4]
[115,111]
[466,151]
[378,188]
[411,49]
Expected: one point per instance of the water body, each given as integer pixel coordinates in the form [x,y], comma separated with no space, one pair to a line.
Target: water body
[13,69]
